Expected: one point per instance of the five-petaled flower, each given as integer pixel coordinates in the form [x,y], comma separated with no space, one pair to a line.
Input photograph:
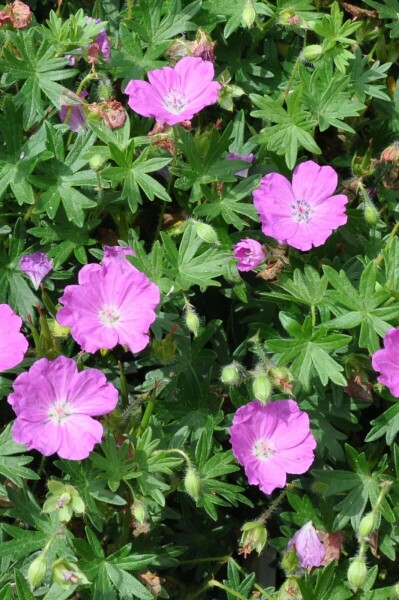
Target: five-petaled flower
[175,94]
[271,440]
[302,214]
[112,304]
[13,343]
[55,403]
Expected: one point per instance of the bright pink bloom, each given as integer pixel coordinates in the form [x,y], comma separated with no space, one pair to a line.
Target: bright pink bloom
[309,549]
[175,94]
[250,254]
[386,361]
[110,306]
[36,266]
[13,344]
[247,158]
[73,114]
[305,213]
[118,253]
[271,440]
[55,403]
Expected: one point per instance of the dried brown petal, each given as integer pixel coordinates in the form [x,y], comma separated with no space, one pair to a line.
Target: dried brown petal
[152,582]
[332,544]
[359,13]
[20,14]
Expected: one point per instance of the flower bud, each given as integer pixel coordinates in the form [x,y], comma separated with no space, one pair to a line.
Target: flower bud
[290,590]
[57,330]
[262,388]
[192,483]
[254,537]
[230,374]
[313,53]
[206,232]
[96,162]
[37,571]
[138,511]
[366,525]
[192,320]
[248,15]
[290,561]
[105,90]
[370,214]
[357,573]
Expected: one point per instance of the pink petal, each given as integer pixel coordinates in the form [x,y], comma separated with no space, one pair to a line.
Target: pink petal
[313,183]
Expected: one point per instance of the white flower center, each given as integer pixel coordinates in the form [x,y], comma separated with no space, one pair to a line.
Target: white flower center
[301,211]
[109,315]
[60,411]
[175,101]
[263,449]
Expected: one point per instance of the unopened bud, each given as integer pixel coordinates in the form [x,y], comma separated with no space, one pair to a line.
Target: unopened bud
[254,537]
[192,320]
[290,561]
[313,53]
[262,388]
[96,162]
[192,483]
[105,90]
[37,571]
[366,525]
[206,232]
[138,511]
[357,573]
[370,214]
[57,330]
[230,374]
[248,15]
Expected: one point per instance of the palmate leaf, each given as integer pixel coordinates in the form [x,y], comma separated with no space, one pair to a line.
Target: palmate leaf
[13,461]
[39,70]
[363,80]
[293,130]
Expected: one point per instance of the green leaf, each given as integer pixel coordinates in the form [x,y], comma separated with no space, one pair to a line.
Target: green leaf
[22,587]
[12,461]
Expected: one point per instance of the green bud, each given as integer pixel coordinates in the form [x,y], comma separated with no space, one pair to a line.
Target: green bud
[37,571]
[105,90]
[366,525]
[230,374]
[290,561]
[262,388]
[248,15]
[394,592]
[138,511]
[192,320]
[206,232]
[312,53]
[96,162]
[57,330]
[192,483]
[254,537]
[290,590]
[357,573]
[371,214]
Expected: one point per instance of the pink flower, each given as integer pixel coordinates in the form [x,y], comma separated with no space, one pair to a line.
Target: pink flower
[73,115]
[175,94]
[101,41]
[55,403]
[249,253]
[386,361]
[271,440]
[304,213]
[118,254]
[110,306]
[248,158]
[309,549]
[36,266]
[13,344]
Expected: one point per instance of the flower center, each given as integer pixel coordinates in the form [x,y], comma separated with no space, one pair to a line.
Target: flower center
[175,101]
[263,449]
[109,315]
[60,411]
[301,211]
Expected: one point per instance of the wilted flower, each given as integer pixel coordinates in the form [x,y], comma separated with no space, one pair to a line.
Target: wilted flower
[249,253]
[202,47]
[110,111]
[271,440]
[18,14]
[309,548]
[109,306]
[302,214]
[101,42]
[386,361]
[247,158]
[13,344]
[55,403]
[36,266]
[73,114]
[175,94]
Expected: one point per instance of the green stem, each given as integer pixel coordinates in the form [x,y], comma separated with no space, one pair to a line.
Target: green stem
[313,313]
[214,583]
[129,9]
[85,80]
[380,257]
[218,559]
[256,585]
[285,93]
[176,451]
[147,415]
[169,186]
[265,515]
